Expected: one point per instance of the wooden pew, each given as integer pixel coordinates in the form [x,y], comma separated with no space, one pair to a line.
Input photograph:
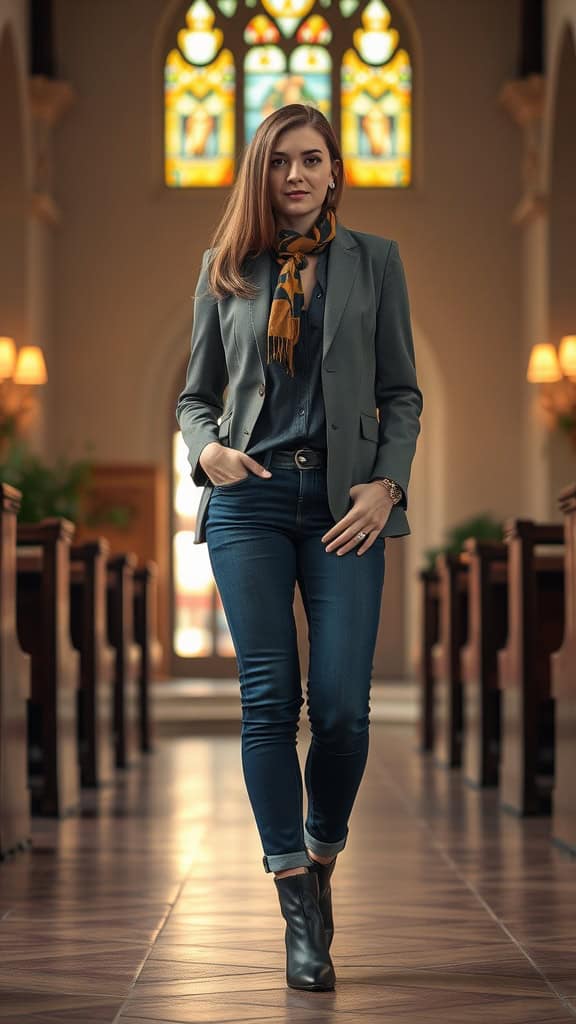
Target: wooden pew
[430,620]
[145,632]
[563,672]
[448,712]
[89,635]
[43,624]
[487,633]
[120,621]
[535,629]
[14,691]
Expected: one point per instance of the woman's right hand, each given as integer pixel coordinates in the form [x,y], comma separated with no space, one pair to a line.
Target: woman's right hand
[224,465]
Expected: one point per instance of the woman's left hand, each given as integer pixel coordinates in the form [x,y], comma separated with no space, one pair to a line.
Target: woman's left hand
[369,513]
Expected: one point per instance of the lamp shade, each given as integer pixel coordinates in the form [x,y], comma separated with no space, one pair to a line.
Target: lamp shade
[7,357]
[567,355]
[30,368]
[543,366]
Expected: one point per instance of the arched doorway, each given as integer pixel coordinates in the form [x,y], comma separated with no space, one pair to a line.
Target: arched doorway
[201,641]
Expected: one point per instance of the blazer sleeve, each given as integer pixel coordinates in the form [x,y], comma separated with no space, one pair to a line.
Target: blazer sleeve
[398,396]
[201,402]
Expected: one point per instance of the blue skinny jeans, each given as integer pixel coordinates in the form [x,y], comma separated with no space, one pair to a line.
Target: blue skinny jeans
[263,535]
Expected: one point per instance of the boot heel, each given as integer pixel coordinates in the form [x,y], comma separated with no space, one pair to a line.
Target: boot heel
[308,963]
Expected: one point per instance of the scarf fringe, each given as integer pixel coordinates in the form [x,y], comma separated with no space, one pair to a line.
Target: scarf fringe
[282,350]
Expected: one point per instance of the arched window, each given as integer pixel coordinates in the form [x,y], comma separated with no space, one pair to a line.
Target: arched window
[286,57]
[199,91]
[376,93]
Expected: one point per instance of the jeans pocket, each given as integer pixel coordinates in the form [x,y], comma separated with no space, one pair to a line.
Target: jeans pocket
[234,483]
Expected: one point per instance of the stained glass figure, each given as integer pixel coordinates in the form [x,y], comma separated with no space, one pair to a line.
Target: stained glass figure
[199,94]
[271,81]
[376,95]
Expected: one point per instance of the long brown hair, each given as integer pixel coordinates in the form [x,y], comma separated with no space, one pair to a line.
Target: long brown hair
[247,226]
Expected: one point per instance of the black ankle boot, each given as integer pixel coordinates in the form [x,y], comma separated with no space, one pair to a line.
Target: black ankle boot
[308,963]
[324,874]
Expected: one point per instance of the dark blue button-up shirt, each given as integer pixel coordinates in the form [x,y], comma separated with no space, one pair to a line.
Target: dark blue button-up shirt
[293,414]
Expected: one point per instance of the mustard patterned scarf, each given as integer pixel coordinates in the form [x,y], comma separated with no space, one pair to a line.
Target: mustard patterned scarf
[290,251]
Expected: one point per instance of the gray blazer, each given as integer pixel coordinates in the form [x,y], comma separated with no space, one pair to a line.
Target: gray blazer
[371,396]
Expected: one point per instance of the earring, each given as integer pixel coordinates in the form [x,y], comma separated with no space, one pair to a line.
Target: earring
[332,184]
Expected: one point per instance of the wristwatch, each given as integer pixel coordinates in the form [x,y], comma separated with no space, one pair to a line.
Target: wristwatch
[394,489]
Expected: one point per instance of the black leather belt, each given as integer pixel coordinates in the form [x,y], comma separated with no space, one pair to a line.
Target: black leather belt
[298,458]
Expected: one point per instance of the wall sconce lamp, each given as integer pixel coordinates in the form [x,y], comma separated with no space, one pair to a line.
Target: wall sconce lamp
[19,374]
[555,374]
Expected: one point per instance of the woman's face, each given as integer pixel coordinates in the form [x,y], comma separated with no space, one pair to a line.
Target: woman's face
[299,163]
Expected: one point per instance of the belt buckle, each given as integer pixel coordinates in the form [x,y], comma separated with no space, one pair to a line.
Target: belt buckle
[300,458]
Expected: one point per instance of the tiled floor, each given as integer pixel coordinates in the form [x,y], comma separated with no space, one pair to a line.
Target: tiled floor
[154,906]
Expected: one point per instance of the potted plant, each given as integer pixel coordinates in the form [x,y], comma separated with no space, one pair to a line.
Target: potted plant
[483,527]
[56,490]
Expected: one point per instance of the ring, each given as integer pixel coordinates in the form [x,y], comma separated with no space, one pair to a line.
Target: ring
[361,535]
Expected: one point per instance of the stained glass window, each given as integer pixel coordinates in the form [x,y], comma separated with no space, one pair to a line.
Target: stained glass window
[287,60]
[271,80]
[199,90]
[376,94]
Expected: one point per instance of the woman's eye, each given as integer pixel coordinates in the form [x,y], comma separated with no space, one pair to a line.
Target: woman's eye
[279,160]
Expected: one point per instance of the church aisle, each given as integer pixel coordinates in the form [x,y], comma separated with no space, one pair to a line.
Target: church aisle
[154,906]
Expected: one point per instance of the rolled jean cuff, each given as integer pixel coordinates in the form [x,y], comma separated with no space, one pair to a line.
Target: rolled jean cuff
[323,849]
[282,861]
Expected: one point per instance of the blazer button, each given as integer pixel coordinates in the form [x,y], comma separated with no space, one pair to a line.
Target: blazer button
[261,389]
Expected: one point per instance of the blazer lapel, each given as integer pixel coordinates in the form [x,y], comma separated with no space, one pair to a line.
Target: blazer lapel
[343,263]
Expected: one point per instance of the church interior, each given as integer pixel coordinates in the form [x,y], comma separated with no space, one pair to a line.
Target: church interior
[131,882]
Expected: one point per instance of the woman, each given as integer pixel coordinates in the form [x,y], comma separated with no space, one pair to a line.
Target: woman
[307,325]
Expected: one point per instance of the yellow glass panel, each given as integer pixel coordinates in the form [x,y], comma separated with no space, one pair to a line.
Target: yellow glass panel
[376,105]
[261,30]
[375,41]
[200,42]
[199,93]
[315,30]
[288,13]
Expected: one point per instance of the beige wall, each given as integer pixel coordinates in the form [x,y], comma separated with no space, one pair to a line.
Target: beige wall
[125,258]
[14,175]
[108,293]
[26,261]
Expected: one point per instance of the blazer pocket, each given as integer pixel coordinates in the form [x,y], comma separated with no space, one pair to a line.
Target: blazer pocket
[369,427]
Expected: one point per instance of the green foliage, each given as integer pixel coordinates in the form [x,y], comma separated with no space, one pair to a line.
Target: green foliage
[482,527]
[53,491]
[46,491]
[119,516]
[567,422]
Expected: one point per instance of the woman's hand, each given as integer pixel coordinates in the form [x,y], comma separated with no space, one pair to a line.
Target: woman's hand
[370,510]
[224,465]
